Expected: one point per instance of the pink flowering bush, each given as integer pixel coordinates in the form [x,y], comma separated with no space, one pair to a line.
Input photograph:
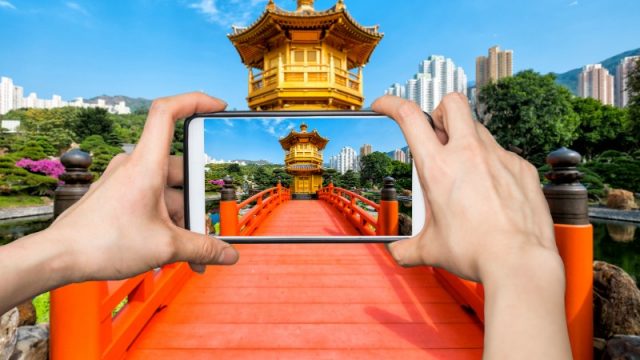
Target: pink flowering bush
[52,168]
[218,182]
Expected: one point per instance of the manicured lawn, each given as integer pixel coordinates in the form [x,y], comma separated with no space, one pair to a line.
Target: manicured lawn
[20,201]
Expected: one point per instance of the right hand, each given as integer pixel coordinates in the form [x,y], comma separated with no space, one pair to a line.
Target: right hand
[485,207]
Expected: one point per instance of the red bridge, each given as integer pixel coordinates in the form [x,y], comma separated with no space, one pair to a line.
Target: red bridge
[285,301]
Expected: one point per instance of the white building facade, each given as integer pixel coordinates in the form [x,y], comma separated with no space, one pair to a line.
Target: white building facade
[12,98]
[436,77]
[595,82]
[344,161]
[622,72]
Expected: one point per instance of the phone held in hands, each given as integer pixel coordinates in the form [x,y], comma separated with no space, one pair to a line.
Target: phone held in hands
[300,177]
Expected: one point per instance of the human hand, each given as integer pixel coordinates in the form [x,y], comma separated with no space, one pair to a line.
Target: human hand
[484,204]
[487,220]
[130,221]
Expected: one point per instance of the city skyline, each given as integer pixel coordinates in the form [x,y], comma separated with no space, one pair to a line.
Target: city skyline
[150,49]
[383,134]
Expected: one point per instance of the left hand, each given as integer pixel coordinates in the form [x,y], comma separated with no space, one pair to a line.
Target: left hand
[131,220]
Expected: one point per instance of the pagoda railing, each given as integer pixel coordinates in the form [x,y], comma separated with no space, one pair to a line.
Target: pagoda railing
[297,76]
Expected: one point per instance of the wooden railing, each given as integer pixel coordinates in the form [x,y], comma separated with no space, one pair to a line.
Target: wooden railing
[82,322]
[304,74]
[231,224]
[348,203]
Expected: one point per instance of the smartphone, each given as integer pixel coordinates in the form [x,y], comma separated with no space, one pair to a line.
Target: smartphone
[300,177]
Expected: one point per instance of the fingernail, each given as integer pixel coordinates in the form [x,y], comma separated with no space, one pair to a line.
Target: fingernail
[228,256]
[199,269]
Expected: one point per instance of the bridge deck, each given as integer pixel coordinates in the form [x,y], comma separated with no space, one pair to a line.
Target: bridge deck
[321,301]
[305,217]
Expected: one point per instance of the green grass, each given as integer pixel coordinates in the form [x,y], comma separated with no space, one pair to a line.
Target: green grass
[41,303]
[20,201]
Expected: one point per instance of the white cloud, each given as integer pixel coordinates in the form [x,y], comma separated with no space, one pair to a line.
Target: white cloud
[573,3]
[277,127]
[6,4]
[77,7]
[232,12]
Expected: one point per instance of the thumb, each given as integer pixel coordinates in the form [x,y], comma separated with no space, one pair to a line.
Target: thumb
[200,250]
[406,252]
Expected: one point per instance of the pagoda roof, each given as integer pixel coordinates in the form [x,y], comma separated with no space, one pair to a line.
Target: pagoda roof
[336,25]
[294,137]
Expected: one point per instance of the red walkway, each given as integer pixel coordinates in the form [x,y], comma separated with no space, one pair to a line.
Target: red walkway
[311,302]
[305,218]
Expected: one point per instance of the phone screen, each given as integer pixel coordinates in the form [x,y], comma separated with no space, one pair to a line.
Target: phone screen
[304,178]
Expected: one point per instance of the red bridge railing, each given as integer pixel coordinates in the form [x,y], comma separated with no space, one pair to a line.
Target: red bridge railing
[231,224]
[83,325]
[348,203]
[83,322]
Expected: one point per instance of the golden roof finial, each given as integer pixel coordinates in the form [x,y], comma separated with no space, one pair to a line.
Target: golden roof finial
[340,5]
[303,127]
[305,5]
[271,5]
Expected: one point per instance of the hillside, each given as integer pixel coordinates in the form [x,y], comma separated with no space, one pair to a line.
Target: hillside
[570,78]
[136,104]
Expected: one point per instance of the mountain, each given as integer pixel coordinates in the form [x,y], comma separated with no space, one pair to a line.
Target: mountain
[570,78]
[136,104]
[392,153]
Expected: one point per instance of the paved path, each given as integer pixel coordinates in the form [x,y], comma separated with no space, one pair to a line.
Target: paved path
[20,212]
[312,301]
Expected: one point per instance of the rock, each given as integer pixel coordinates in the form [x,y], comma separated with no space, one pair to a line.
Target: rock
[27,313]
[8,332]
[599,345]
[621,233]
[616,301]
[621,199]
[622,347]
[404,225]
[33,343]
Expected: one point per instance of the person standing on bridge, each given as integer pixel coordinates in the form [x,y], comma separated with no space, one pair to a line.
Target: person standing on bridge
[487,221]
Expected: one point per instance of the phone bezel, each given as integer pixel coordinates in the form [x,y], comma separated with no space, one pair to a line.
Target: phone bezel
[418,208]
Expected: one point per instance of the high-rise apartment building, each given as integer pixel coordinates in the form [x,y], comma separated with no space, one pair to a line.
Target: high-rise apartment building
[346,160]
[7,95]
[436,77]
[399,155]
[365,150]
[595,82]
[622,72]
[497,65]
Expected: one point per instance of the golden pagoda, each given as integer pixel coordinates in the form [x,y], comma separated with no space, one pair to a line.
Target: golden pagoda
[303,160]
[305,59]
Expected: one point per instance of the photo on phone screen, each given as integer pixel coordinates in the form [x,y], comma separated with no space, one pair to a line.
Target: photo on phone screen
[306,177]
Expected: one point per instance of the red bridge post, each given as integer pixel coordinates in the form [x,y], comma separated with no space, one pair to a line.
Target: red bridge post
[388,213]
[568,203]
[228,209]
[75,309]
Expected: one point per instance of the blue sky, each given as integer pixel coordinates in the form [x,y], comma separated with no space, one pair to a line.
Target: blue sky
[151,48]
[242,139]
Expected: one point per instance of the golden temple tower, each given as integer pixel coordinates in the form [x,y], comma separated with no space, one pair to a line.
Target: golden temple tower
[303,160]
[305,59]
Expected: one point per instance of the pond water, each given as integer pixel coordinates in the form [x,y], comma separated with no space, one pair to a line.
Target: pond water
[614,242]
[16,228]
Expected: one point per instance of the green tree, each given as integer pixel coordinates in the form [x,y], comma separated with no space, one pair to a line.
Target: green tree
[374,167]
[350,180]
[177,144]
[402,174]
[92,121]
[633,86]
[101,152]
[531,113]
[262,178]
[602,127]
